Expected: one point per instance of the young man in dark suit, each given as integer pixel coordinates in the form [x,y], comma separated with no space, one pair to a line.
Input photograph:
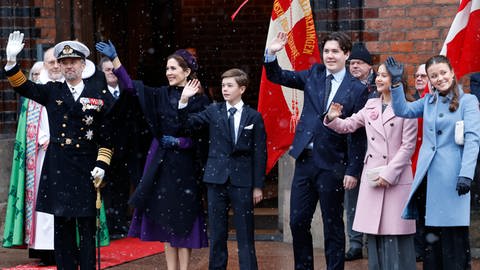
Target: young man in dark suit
[235,168]
[326,162]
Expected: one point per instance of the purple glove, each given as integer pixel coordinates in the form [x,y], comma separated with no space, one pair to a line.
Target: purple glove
[170,142]
[184,142]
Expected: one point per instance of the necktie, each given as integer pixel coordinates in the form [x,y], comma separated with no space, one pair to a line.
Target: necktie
[116,93]
[231,123]
[328,89]
[74,92]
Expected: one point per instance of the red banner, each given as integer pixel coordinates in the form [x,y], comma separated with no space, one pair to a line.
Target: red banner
[281,106]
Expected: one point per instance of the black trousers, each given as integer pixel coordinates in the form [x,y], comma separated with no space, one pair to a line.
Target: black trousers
[312,185]
[67,254]
[446,248]
[115,198]
[222,197]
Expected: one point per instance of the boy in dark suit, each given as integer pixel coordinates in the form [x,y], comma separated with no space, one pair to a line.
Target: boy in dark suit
[235,168]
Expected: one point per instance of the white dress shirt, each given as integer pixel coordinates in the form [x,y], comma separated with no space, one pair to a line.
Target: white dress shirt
[76,90]
[336,81]
[236,116]
[113,89]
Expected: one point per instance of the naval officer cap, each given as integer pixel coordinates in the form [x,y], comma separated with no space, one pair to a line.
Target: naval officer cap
[71,49]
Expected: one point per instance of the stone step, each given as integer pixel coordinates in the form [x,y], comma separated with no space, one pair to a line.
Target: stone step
[265,219]
[260,235]
[270,211]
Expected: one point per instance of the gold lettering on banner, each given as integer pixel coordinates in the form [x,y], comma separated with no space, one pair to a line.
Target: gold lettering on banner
[277,8]
[310,34]
[291,44]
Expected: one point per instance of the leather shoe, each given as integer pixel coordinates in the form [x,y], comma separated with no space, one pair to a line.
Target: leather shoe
[353,254]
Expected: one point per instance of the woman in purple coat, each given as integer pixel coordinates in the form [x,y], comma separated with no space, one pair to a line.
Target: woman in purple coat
[386,178]
[167,199]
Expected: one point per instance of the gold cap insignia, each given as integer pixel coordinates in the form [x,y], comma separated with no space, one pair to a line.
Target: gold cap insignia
[67,50]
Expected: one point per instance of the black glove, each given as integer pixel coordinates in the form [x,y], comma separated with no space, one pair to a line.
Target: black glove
[463,185]
[395,69]
[169,142]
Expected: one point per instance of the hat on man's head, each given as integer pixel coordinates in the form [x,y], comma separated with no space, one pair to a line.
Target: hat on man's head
[71,49]
[189,58]
[359,51]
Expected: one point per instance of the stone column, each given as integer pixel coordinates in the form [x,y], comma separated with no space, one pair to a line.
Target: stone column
[286,166]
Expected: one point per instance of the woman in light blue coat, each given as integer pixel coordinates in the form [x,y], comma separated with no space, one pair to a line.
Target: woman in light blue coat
[443,198]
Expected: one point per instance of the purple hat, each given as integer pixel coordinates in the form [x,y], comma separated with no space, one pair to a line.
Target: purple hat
[189,58]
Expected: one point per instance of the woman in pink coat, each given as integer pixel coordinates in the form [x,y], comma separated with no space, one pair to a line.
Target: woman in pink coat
[386,178]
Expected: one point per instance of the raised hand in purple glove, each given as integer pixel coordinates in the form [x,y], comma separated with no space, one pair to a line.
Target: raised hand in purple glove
[106,49]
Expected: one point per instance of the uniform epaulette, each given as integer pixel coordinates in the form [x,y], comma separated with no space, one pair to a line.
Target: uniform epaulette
[17,79]
[105,155]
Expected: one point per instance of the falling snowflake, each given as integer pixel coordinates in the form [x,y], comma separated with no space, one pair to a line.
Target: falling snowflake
[88,120]
[89,134]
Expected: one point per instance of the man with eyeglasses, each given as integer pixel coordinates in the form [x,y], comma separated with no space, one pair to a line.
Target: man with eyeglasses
[421,80]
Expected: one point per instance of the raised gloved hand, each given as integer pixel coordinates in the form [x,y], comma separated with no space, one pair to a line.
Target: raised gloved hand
[14,46]
[395,69]
[463,185]
[106,49]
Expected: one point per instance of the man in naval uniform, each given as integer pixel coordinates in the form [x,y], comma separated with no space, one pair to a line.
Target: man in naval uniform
[79,142]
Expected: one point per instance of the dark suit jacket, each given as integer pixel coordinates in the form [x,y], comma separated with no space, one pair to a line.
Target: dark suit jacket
[245,162]
[331,151]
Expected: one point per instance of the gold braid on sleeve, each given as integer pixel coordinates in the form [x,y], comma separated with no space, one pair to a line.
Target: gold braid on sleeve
[17,79]
[105,155]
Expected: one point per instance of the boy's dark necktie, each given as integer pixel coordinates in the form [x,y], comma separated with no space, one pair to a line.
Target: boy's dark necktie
[231,123]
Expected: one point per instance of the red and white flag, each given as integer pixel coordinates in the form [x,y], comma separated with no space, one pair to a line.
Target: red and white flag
[281,106]
[462,45]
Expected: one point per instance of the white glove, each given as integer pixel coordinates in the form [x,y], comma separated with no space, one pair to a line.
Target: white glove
[14,46]
[98,173]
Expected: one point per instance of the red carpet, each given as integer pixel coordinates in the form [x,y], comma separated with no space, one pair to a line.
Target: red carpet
[118,252]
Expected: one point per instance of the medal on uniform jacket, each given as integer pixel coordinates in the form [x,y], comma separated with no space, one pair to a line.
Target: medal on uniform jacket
[91,104]
[88,120]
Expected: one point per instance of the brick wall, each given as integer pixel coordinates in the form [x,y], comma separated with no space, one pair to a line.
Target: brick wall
[222,44]
[36,19]
[410,30]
